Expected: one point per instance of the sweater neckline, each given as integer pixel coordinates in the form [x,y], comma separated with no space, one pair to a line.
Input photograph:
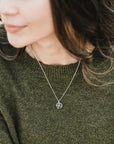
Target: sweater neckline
[56,70]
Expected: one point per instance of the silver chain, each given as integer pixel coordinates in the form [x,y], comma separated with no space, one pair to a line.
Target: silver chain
[60,104]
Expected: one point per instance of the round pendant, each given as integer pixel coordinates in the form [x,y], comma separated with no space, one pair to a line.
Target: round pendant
[59,105]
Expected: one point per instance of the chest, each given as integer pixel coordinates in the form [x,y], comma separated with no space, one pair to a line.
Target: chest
[86,116]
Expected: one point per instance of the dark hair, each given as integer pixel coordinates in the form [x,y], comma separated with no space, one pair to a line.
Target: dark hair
[77,22]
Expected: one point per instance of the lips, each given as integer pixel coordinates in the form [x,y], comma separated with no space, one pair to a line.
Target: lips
[13,28]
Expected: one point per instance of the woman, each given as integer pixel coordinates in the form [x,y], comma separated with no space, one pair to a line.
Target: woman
[56,71]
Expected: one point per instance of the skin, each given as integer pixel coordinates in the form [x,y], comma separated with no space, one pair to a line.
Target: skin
[39,31]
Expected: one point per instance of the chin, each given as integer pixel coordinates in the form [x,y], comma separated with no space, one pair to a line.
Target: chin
[17,42]
[16,45]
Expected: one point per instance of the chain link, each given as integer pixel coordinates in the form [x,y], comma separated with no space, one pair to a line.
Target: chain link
[49,81]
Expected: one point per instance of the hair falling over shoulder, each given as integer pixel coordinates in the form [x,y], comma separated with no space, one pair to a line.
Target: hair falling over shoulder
[77,23]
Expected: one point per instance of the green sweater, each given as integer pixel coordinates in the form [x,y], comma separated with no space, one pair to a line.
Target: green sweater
[28,114]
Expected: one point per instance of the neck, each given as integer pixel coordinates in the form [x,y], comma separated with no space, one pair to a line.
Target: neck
[50,51]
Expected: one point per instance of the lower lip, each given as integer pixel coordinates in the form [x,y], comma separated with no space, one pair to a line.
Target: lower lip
[13,29]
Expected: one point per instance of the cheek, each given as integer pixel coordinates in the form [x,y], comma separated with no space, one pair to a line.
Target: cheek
[40,17]
[41,24]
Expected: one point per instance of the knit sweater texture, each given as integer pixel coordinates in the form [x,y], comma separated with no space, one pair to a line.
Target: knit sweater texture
[28,114]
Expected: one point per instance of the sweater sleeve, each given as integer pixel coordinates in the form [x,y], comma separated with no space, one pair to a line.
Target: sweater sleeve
[4,133]
[8,133]
[5,137]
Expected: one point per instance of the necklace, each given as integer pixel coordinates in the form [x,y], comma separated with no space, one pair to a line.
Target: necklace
[59,105]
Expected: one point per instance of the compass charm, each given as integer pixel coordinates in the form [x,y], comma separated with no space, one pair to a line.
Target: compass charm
[59,105]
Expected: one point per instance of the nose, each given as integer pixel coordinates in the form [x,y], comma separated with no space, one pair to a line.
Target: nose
[7,8]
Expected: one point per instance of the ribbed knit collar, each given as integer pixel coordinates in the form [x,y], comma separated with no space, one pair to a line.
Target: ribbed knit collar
[55,70]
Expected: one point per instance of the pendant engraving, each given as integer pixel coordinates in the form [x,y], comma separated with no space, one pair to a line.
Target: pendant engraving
[59,105]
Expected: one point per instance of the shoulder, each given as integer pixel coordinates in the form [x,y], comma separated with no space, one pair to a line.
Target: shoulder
[7,68]
[101,74]
[4,71]
[103,68]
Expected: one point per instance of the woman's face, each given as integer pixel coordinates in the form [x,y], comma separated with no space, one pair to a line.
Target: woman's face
[34,14]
